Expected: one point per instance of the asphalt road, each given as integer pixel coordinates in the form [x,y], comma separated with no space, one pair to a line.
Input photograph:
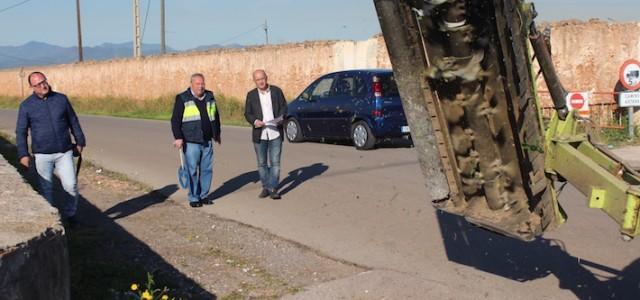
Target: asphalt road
[370,208]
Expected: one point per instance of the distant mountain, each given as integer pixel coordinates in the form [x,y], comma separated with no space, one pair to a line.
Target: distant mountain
[38,53]
[215,46]
[35,53]
[111,50]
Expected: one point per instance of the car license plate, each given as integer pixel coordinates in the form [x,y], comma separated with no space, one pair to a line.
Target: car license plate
[404,129]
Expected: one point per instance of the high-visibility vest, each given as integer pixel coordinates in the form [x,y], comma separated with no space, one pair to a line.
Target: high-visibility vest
[191,112]
[191,123]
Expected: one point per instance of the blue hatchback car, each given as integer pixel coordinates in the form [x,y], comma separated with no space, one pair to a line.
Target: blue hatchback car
[361,105]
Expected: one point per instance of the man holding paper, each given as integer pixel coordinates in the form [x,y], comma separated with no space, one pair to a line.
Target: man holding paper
[265,109]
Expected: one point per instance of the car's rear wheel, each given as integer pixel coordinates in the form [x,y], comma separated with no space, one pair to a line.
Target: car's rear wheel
[293,132]
[362,136]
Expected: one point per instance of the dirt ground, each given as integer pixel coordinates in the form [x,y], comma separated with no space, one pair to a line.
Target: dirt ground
[195,254]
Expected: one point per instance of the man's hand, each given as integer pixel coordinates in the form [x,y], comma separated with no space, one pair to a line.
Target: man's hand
[258,123]
[79,148]
[24,161]
[178,143]
[218,140]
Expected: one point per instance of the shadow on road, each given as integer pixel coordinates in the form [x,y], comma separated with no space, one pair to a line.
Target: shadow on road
[300,175]
[104,258]
[293,180]
[134,205]
[522,261]
[235,184]
[396,143]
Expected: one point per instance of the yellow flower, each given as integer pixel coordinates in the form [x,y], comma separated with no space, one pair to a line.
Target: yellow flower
[165,297]
[134,287]
[146,295]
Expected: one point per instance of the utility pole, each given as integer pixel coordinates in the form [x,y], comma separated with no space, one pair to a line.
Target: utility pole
[163,45]
[80,56]
[266,31]
[137,51]
[21,74]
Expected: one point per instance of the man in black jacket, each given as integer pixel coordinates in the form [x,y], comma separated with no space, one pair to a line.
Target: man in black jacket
[265,109]
[195,122]
[52,121]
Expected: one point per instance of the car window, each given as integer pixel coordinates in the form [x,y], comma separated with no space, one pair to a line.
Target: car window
[350,86]
[306,94]
[360,86]
[344,86]
[322,89]
[389,86]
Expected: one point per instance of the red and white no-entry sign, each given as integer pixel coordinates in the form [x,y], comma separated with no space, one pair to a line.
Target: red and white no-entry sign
[630,75]
[576,100]
[579,102]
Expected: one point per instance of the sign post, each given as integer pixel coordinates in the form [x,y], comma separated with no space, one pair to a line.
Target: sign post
[632,134]
[630,79]
[629,100]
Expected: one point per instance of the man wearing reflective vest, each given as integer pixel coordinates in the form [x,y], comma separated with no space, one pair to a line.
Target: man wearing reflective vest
[195,122]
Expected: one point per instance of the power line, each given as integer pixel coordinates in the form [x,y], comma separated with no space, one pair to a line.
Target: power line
[146,16]
[13,6]
[239,35]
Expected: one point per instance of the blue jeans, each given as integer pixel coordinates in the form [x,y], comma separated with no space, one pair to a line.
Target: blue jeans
[62,164]
[199,163]
[269,170]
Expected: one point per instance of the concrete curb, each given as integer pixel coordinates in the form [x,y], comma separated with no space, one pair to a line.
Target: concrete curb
[34,261]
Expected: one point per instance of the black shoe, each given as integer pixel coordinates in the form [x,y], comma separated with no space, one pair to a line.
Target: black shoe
[264,193]
[195,204]
[274,195]
[206,201]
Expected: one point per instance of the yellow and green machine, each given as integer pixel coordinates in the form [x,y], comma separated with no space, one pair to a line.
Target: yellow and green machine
[467,72]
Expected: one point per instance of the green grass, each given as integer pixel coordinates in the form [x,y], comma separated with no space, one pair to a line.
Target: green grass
[9,102]
[231,109]
[614,137]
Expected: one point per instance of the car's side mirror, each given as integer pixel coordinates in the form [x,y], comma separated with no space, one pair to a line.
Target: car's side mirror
[305,96]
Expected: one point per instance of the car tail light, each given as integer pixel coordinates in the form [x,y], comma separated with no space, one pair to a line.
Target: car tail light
[377,113]
[377,87]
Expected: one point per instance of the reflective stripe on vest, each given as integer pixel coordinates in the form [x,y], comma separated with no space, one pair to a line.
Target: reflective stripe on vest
[191,112]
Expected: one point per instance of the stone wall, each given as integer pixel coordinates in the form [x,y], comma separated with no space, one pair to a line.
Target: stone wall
[588,55]
[34,261]
[228,71]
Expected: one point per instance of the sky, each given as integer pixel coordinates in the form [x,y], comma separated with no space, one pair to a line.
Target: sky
[191,23]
